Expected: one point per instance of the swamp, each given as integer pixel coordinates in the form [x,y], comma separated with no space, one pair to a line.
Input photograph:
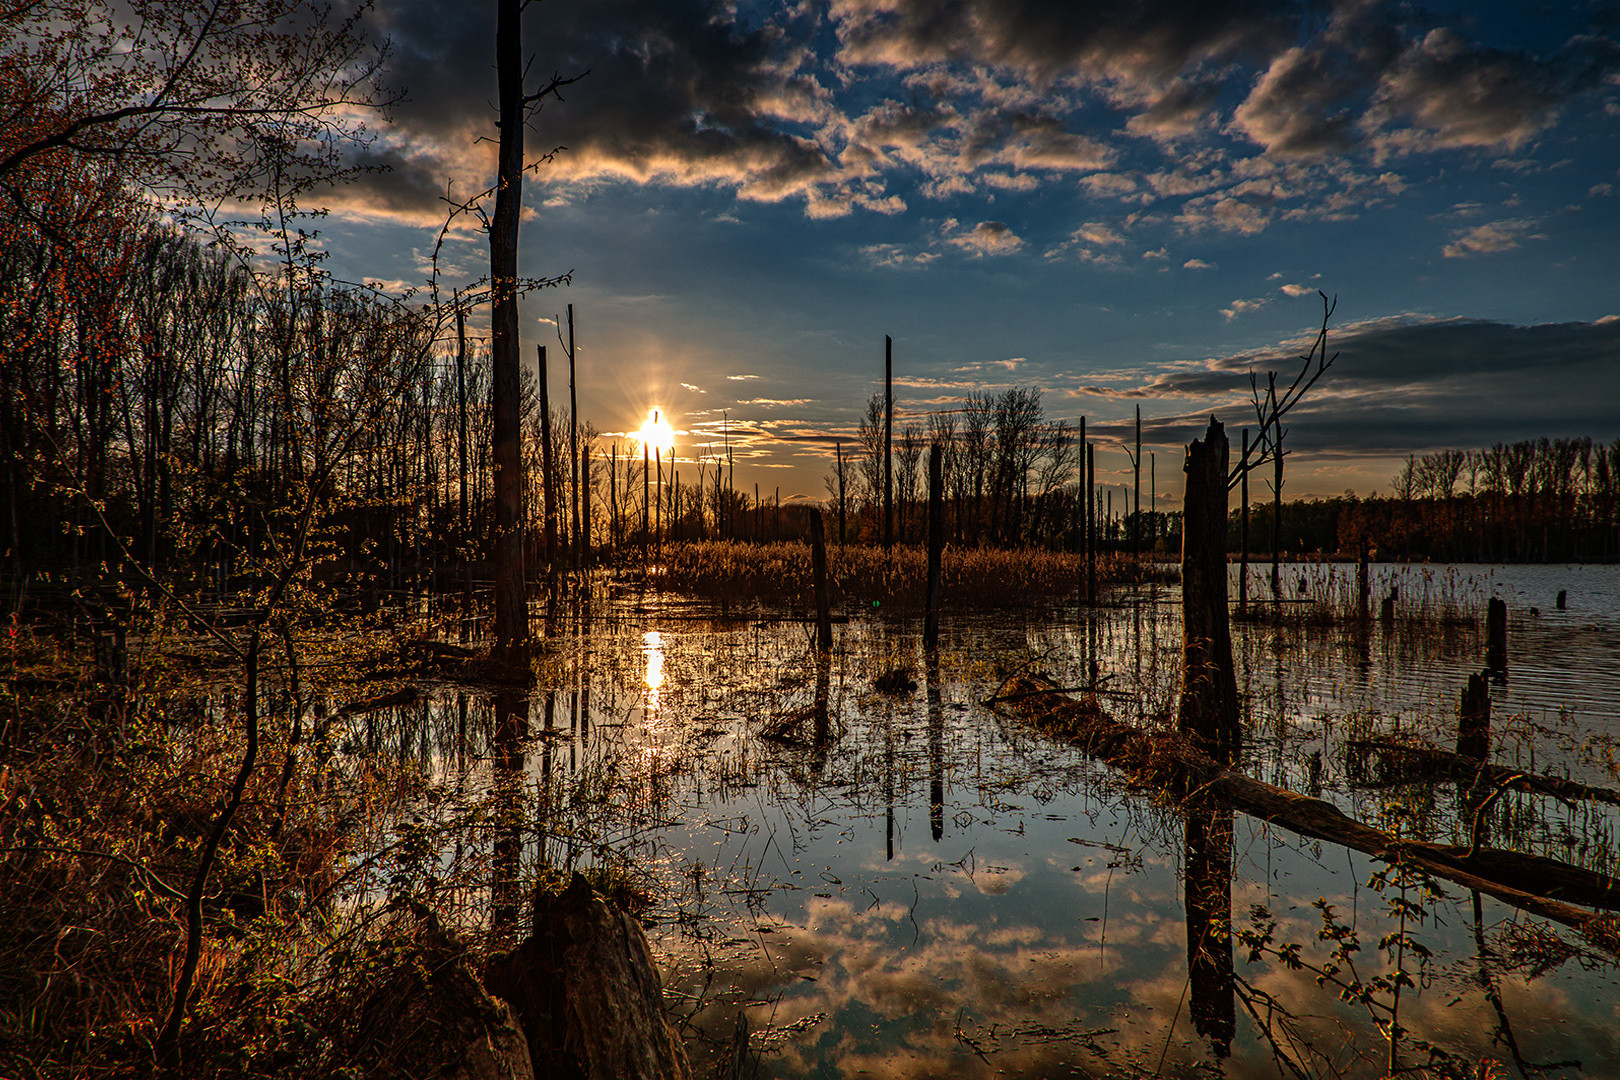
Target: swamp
[880,860]
[905,879]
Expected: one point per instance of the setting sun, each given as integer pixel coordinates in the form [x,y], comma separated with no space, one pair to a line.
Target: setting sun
[656,434]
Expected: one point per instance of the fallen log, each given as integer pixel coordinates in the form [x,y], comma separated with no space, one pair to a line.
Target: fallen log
[1430,761]
[1168,761]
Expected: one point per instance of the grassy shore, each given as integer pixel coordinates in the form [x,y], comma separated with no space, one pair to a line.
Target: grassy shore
[862,575]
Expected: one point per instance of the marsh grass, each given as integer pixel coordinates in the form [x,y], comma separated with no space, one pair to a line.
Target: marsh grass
[865,576]
[106,794]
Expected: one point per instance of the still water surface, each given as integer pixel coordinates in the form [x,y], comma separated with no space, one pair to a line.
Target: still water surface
[920,886]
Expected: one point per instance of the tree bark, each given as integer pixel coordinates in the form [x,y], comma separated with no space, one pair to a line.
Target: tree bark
[511,608]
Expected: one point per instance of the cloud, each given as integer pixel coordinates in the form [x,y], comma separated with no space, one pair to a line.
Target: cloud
[741,378]
[1414,383]
[1243,307]
[833,107]
[1197,264]
[987,238]
[1297,290]
[1490,238]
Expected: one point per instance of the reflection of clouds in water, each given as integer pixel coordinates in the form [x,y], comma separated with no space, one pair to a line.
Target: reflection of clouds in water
[894,994]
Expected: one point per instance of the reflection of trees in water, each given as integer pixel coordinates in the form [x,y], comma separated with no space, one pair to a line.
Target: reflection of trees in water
[506,887]
[1208,897]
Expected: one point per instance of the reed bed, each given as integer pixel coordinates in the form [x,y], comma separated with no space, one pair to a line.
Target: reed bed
[864,576]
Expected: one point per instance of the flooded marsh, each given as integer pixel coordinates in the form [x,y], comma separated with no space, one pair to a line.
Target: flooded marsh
[910,882]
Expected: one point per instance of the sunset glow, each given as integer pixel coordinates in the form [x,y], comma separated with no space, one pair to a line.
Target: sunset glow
[656,434]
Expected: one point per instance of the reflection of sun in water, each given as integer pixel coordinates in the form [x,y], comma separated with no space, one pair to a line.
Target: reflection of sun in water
[653,642]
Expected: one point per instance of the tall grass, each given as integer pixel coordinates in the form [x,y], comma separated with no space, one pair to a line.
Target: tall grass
[862,575]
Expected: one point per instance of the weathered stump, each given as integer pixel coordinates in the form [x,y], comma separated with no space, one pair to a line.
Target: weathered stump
[1474,719]
[818,559]
[936,545]
[1496,636]
[587,992]
[1208,710]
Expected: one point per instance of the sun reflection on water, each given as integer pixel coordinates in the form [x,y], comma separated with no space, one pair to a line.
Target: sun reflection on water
[652,642]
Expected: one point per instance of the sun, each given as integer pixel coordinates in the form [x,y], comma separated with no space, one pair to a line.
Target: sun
[656,434]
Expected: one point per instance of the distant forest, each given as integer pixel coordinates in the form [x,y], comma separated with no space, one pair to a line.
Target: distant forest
[1537,500]
[188,400]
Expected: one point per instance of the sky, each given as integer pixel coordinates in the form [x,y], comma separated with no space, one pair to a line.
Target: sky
[1121,204]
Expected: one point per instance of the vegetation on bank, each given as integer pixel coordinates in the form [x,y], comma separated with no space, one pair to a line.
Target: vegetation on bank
[1536,500]
[865,576]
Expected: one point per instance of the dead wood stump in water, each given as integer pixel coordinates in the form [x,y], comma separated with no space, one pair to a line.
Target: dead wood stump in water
[1496,637]
[1474,719]
[1208,710]
[587,992]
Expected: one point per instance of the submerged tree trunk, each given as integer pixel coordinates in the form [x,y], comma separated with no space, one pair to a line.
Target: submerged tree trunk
[511,608]
[1208,710]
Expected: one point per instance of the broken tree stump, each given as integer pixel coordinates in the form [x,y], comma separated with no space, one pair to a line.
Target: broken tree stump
[1209,709]
[587,992]
[1474,719]
[1496,637]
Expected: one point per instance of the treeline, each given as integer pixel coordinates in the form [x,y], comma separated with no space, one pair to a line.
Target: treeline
[1536,500]
[1011,478]
[168,394]
[187,402]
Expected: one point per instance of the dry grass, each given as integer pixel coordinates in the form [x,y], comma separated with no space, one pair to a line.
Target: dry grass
[861,576]
[106,793]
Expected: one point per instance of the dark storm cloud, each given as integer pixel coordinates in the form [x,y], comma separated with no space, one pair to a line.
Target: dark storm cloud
[675,93]
[1319,79]
[1403,385]
[999,95]
[1048,39]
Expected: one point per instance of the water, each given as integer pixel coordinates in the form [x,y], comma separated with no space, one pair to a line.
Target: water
[919,886]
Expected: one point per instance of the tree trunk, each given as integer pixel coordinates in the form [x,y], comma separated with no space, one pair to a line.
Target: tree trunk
[1208,710]
[511,608]
[936,545]
[888,438]
[548,475]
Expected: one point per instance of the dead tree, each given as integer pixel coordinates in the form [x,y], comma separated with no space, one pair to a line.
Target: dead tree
[1208,708]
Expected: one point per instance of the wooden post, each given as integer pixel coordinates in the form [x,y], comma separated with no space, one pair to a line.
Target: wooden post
[1474,719]
[646,503]
[1136,488]
[1208,708]
[548,476]
[818,560]
[888,438]
[1496,637]
[1091,525]
[1153,502]
[1563,597]
[936,544]
[1080,519]
[1243,528]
